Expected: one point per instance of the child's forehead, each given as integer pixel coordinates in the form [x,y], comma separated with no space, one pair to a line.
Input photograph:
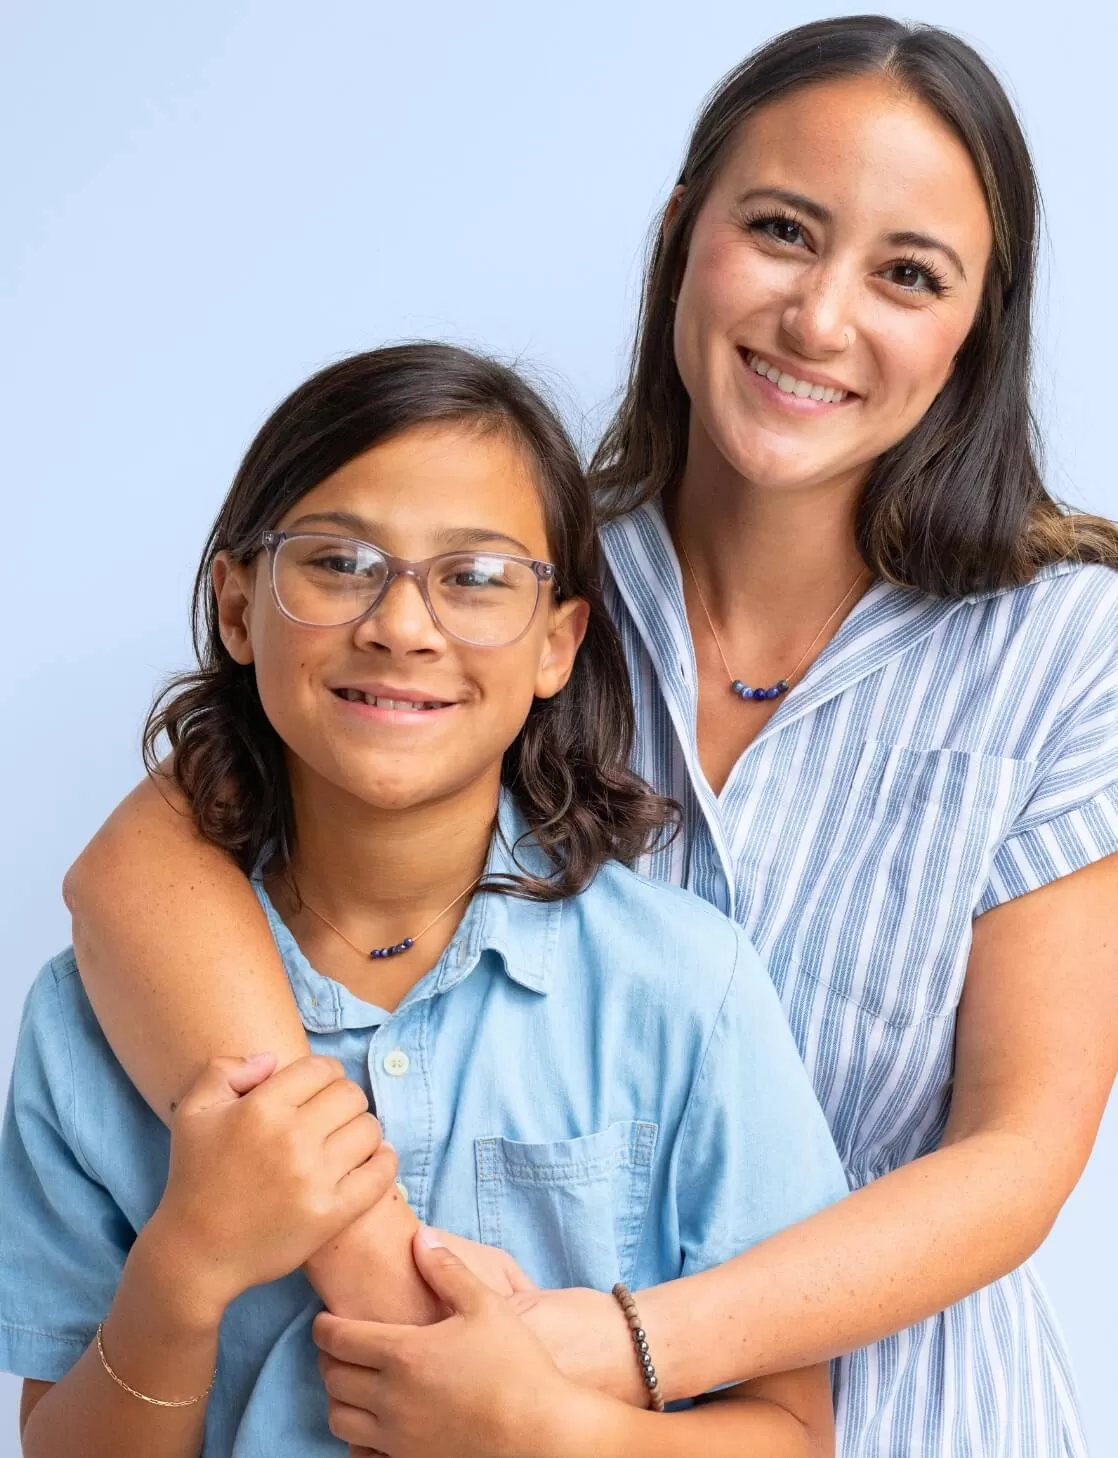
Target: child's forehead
[430,481]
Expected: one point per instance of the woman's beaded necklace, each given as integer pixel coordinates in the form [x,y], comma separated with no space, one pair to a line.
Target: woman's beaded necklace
[399,947]
[777,690]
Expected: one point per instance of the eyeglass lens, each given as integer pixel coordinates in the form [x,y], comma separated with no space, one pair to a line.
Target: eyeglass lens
[481,598]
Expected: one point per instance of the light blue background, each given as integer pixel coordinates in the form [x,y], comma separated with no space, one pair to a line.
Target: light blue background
[200,204]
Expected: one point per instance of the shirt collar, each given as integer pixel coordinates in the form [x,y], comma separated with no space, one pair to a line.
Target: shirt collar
[523,934]
[885,622]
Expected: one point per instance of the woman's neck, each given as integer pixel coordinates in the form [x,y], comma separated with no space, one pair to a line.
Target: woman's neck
[364,877]
[772,557]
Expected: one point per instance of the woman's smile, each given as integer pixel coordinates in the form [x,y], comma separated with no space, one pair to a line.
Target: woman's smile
[799,390]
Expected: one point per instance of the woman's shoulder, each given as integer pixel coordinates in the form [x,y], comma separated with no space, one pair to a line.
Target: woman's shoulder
[1089,587]
[1064,620]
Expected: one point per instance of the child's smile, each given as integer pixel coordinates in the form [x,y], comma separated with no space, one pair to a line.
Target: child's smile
[390,705]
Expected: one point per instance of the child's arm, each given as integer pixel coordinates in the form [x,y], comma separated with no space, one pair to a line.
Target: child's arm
[480,1383]
[164,1346]
[178,962]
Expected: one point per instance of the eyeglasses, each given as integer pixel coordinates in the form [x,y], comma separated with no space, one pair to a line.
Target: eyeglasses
[487,599]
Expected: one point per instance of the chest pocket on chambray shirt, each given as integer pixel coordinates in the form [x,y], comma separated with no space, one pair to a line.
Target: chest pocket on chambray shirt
[570,1211]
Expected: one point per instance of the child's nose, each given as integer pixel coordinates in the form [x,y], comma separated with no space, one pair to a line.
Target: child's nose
[402,622]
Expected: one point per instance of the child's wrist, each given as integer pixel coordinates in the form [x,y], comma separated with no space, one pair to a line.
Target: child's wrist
[190,1285]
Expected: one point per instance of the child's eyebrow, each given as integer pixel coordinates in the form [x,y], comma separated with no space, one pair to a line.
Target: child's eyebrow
[451,538]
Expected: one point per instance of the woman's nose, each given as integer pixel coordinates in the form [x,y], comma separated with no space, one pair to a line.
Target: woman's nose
[818,318]
[402,622]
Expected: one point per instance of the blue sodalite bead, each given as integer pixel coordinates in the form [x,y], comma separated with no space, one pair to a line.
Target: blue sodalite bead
[760,693]
[737,687]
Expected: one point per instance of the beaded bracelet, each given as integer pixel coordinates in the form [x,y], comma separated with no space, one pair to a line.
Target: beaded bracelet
[154,1401]
[624,1298]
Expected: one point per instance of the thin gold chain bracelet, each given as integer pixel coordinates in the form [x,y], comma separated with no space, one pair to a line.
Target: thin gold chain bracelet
[154,1401]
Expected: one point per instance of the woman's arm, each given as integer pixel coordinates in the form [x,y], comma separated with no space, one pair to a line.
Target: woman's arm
[177,959]
[1035,1059]
[478,1384]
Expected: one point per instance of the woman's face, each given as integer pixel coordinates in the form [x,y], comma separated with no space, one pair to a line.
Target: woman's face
[392,710]
[832,276]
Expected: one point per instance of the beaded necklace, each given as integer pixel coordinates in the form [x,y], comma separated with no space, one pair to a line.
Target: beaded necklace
[781,687]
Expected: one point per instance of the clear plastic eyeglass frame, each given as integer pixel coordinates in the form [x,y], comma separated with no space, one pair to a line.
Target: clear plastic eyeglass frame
[418,571]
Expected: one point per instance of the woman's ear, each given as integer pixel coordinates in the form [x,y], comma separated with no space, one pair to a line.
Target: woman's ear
[564,638]
[671,214]
[232,585]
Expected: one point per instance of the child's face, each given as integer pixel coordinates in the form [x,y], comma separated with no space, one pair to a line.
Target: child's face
[431,490]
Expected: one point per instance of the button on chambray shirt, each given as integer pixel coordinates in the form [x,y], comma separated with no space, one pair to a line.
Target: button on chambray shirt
[939,758]
[605,1086]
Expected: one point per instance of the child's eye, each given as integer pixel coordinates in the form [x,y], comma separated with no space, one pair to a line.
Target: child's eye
[475,576]
[347,565]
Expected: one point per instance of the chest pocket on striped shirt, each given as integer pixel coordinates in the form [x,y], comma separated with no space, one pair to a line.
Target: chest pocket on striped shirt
[900,866]
[570,1211]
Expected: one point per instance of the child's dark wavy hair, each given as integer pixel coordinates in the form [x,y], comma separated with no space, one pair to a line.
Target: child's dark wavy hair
[567,769]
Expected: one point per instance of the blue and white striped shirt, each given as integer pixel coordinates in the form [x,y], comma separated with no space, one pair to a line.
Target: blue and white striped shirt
[938,759]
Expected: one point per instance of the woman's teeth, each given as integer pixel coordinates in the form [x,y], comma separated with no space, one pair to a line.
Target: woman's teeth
[791,386]
[355,696]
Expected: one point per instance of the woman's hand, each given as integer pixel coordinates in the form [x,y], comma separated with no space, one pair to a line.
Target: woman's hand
[477,1385]
[265,1169]
[586,1337]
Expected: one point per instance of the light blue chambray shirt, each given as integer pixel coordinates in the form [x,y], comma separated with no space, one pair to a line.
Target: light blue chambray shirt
[605,1086]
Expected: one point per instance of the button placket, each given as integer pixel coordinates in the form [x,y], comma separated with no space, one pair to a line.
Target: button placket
[393,1076]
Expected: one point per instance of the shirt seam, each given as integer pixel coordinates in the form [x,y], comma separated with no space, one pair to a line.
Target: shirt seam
[40,1332]
[739,940]
[70,1114]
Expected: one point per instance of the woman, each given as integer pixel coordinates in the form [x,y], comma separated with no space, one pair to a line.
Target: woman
[824,489]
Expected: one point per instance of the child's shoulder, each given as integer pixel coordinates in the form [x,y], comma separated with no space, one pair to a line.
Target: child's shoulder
[61,1053]
[663,936]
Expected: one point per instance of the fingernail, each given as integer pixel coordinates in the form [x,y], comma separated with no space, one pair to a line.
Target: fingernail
[430,1238]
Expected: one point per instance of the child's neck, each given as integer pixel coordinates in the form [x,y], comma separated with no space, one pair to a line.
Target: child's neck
[380,877]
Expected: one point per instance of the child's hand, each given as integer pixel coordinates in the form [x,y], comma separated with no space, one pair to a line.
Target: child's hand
[265,1169]
[477,1385]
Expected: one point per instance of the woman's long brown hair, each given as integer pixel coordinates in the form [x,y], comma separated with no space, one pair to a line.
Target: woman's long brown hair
[959,505]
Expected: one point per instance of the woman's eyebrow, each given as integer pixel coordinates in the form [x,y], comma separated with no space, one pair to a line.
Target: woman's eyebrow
[925,240]
[821,214]
[368,531]
[796,200]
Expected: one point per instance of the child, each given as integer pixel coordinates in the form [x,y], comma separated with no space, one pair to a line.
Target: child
[410,723]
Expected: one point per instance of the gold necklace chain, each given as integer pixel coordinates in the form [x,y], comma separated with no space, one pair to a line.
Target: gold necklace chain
[395,950]
[782,686]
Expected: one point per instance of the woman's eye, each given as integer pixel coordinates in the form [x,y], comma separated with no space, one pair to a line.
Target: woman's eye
[779,229]
[913,278]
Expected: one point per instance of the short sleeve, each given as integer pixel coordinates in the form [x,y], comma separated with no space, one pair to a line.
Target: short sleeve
[63,1239]
[1070,817]
[755,1152]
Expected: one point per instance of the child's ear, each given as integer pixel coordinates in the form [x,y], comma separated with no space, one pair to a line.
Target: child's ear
[232,584]
[564,638]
